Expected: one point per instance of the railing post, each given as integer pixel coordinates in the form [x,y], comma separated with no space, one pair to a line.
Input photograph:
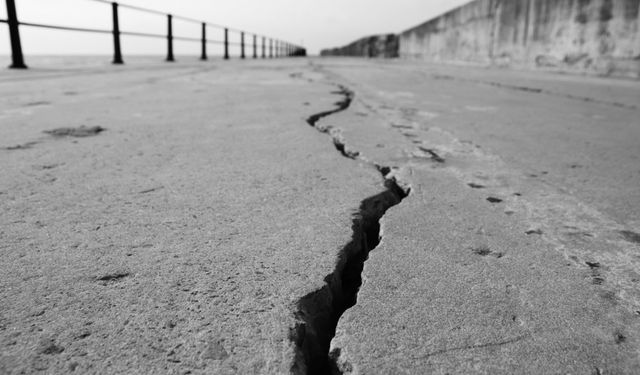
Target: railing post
[203,55]
[17,60]
[270,48]
[226,44]
[255,46]
[117,53]
[263,47]
[242,44]
[170,38]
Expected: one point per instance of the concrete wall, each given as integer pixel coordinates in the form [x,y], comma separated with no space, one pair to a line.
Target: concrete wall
[591,36]
[372,46]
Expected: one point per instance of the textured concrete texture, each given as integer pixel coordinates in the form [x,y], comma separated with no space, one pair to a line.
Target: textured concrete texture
[587,36]
[181,237]
[318,216]
[516,250]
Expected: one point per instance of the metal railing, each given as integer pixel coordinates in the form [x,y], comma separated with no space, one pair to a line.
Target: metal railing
[274,48]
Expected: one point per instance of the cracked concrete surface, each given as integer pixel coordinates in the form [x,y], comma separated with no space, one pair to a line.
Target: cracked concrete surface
[208,228]
[483,269]
[320,311]
[178,240]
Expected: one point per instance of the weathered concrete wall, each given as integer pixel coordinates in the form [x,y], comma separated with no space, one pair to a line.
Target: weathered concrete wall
[463,34]
[372,46]
[592,36]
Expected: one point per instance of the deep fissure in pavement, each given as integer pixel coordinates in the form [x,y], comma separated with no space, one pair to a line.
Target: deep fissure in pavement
[319,312]
[340,105]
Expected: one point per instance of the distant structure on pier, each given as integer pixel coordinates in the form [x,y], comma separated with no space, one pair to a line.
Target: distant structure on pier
[371,46]
[587,36]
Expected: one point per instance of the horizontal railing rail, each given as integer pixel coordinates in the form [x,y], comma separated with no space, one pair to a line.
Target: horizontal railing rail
[270,47]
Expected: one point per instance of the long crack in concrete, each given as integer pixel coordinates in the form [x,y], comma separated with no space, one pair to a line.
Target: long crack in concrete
[318,312]
[534,90]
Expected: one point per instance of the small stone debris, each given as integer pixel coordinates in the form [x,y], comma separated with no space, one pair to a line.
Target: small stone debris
[82,131]
[112,277]
[593,265]
[24,146]
[49,347]
[484,251]
[37,103]
[481,250]
[150,190]
[630,236]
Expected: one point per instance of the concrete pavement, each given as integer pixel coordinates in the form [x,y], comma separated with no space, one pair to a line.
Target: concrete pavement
[216,226]
[517,250]
[179,239]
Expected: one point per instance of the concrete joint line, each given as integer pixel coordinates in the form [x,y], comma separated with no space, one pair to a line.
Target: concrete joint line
[318,312]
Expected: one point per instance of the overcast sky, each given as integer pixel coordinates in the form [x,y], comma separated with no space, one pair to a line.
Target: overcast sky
[316,24]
